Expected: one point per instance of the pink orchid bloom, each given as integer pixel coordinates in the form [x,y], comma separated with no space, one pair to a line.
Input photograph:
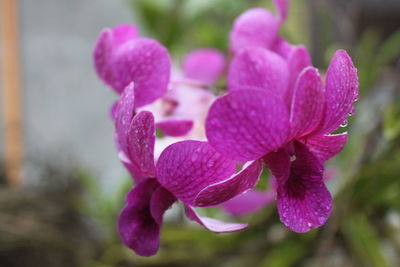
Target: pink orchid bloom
[121,57]
[183,170]
[253,122]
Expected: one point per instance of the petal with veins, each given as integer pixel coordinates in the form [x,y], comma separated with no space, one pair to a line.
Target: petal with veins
[237,184]
[325,147]
[185,168]
[341,91]
[247,124]
[307,103]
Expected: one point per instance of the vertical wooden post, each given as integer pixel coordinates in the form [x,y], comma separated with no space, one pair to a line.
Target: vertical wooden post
[11,93]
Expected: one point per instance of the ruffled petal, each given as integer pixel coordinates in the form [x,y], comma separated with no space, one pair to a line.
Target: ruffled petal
[222,191]
[187,167]
[145,62]
[260,68]
[255,27]
[307,103]
[303,201]
[213,224]
[249,202]
[247,124]
[341,91]
[204,65]
[175,126]
[324,147]
[136,226]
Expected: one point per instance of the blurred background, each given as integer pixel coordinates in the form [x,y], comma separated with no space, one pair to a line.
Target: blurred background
[62,185]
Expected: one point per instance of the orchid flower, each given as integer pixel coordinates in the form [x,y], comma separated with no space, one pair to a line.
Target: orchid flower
[182,171]
[253,122]
[121,57]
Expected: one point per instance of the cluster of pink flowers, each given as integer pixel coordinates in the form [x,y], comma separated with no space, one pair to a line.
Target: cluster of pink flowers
[278,113]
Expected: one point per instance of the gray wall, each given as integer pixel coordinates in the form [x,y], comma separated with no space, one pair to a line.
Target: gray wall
[65,105]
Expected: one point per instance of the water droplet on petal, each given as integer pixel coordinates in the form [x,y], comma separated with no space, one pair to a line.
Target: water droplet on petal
[293,158]
[344,123]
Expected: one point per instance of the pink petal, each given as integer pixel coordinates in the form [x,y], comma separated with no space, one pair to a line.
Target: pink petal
[123,114]
[298,59]
[140,144]
[123,33]
[282,6]
[341,91]
[204,65]
[213,224]
[249,202]
[175,127]
[279,164]
[307,103]
[137,228]
[160,202]
[325,147]
[303,201]
[261,68]
[145,62]
[222,191]
[255,27]
[247,124]
[108,41]
[185,168]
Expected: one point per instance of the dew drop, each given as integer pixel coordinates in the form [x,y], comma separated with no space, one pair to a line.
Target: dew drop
[344,123]
[293,158]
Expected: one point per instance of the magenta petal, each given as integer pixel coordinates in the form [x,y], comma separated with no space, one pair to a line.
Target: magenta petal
[161,200]
[123,33]
[145,62]
[137,228]
[249,202]
[307,103]
[279,164]
[325,147]
[282,6]
[108,41]
[213,224]
[298,59]
[102,55]
[175,127]
[204,65]
[123,113]
[247,124]
[255,27]
[222,191]
[341,91]
[260,68]
[185,168]
[303,201]
[141,143]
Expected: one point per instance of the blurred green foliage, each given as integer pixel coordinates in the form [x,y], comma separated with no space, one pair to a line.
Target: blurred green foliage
[364,228]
